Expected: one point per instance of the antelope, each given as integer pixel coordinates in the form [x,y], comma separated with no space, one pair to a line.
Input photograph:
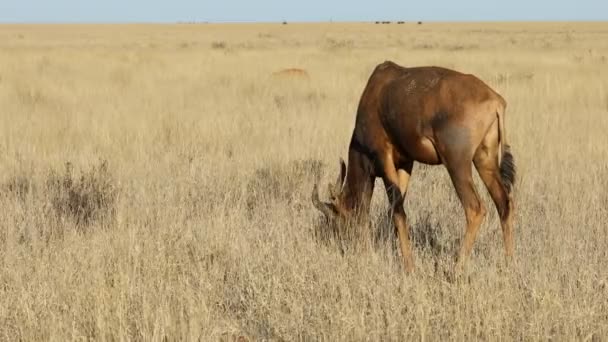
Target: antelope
[430,115]
[292,73]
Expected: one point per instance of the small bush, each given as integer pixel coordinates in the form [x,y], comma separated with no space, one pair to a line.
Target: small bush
[218,45]
[85,199]
[18,186]
[457,47]
[282,183]
[424,46]
[336,44]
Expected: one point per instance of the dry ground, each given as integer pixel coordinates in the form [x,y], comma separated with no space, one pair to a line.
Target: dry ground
[155,183]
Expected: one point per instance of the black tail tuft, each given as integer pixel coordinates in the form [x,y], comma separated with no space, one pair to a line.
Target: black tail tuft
[507,169]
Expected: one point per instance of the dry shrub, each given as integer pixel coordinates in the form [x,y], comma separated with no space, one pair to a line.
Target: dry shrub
[85,199]
[30,95]
[309,100]
[425,46]
[522,76]
[219,45]
[18,186]
[339,44]
[461,47]
[282,183]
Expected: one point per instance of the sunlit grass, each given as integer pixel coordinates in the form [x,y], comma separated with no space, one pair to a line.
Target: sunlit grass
[155,182]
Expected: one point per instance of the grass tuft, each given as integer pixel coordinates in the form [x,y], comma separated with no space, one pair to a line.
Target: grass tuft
[85,198]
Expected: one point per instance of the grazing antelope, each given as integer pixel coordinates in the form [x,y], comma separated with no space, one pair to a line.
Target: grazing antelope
[434,116]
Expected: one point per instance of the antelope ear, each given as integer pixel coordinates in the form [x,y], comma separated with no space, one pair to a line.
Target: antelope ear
[342,171]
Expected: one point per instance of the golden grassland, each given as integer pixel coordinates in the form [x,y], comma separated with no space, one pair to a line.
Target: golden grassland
[155,185]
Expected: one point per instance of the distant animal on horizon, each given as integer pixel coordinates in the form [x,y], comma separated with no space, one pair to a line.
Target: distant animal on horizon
[434,116]
[295,73]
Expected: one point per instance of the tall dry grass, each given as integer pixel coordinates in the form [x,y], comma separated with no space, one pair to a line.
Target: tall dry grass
[155,184]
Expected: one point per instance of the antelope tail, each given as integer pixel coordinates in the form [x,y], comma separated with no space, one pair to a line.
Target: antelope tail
[506,161]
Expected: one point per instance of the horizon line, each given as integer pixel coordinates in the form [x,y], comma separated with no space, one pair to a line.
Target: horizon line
[373,21]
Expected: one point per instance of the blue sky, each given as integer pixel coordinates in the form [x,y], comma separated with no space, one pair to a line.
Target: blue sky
[303,10]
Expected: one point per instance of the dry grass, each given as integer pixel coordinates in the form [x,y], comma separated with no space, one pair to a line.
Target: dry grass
[155,183]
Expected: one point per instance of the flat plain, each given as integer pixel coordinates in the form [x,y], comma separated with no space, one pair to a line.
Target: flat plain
[155,185]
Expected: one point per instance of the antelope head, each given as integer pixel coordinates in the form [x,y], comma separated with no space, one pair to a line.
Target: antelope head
[333,209]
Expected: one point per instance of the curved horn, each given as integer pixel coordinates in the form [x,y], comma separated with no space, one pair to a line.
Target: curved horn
[325,208]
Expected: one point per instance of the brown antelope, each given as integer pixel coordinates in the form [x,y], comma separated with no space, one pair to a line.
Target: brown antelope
[434,116]
[294,73]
